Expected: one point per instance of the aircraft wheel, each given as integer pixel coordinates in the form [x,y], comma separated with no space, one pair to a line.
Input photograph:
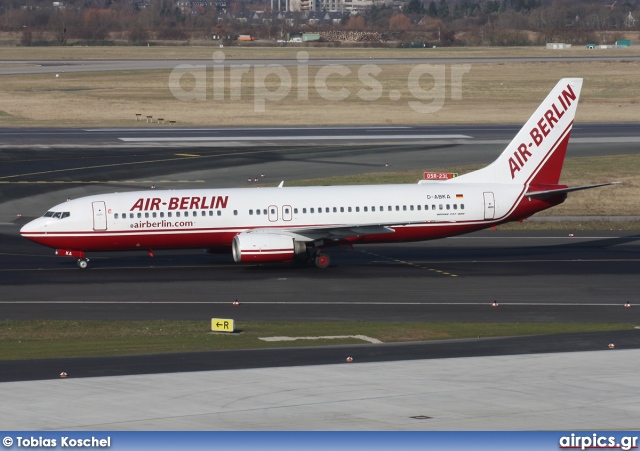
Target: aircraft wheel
[322,261]
[83,263]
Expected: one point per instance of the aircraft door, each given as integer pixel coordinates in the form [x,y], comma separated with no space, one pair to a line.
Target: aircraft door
[489,206]
[273,213]
[286,212]
[99,216]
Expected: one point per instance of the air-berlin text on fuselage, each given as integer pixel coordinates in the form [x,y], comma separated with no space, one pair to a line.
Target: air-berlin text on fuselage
[181,203]
[544,127]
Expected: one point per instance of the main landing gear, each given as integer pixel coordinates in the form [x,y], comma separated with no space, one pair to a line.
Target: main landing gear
[322,261]
[83,263]
[319,259]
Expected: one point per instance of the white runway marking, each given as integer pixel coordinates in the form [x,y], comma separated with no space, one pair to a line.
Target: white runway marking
[289,138]
[327,337]
[486,303]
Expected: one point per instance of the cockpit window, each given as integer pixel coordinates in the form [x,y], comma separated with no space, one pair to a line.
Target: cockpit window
[57,214]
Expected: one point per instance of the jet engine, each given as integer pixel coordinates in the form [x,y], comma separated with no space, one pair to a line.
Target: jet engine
[266,247]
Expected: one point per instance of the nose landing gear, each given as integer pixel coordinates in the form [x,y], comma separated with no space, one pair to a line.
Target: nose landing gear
[83,263]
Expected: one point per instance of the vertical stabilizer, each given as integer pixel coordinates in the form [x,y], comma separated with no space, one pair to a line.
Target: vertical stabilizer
[536,154]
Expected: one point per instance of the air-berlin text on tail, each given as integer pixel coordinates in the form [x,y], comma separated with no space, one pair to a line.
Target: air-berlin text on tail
[180,203]
[542,129]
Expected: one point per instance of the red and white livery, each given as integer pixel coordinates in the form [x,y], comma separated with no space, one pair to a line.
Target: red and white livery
[297,223]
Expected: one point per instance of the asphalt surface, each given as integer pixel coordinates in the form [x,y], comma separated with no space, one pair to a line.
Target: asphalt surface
[541,277]
[303,356]
[63,66]
[159,135]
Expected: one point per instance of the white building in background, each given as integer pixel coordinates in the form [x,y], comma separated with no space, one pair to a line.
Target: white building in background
[361,5]
[301,5]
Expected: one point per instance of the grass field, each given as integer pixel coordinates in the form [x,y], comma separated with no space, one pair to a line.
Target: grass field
[20,340]
[489,93]
[249,51]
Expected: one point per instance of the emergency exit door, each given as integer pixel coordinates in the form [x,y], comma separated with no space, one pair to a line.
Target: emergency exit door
[489,206]
[99,216]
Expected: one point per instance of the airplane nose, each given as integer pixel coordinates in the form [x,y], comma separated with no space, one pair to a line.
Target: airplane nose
[31,226]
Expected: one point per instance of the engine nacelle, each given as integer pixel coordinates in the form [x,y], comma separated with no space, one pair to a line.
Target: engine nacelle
[265,247]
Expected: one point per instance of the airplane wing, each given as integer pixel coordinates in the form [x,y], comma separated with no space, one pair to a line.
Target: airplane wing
[334,232]
[550,192]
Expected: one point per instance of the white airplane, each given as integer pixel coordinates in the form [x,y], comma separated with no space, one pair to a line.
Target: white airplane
[297,223]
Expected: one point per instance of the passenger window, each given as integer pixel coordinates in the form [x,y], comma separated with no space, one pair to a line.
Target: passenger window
[273,211]
[373,208]
[397,207]
[286,210]
[115,216]
[139,215]
[258,212]
[404,208]
[433,207]
[295,211]
[130,215]
[349,209]
[366,209]
[146,215]
[447,206]
[204,213]
[177,214]
[235,213]
[461,206]
[169,214]
[210,212]
[341,209]
[455,206]
[335,209]
[304,210]
[250,212]
[220,212]
[357,209]
[162,214]
[264,211]
[426,207]
[311,210]
[326,210]
[154,214]
[419,207]
[440,206]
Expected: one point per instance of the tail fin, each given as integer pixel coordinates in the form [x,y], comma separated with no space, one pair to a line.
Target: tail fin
[536,154]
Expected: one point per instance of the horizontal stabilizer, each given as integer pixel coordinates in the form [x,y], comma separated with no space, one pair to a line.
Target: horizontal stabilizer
[551,192]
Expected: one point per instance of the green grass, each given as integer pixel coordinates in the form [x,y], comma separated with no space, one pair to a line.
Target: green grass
[20,340]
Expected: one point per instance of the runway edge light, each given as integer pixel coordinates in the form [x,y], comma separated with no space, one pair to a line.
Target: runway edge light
[222,325]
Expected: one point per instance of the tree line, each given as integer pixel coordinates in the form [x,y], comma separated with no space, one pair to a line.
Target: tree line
[443,22]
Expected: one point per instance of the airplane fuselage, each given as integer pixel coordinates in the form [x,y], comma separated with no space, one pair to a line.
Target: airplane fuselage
[211,218]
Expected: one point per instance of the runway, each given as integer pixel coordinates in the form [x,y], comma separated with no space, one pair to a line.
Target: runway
[19,67]
[158,135]
[535,277]
[585,278]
